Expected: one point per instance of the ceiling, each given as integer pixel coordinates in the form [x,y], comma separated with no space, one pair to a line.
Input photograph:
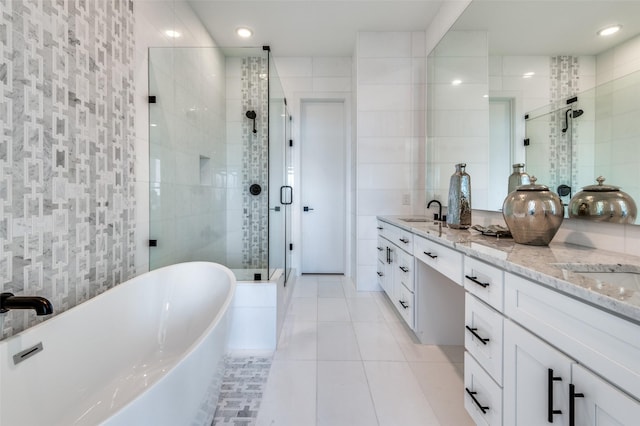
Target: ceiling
[310,27]
[559,27]
[329,27]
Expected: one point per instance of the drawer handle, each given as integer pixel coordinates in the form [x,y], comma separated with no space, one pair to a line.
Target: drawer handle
[404,304]
[380,248]
[380,228]
[380,274]
[480,406]
[572,404]
[433,256]
[475,280]
[550,380]
[404,269]
[404,240]
[476,335]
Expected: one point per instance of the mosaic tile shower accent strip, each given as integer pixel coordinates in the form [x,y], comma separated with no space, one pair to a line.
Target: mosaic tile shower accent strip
[564,84]
[243,385]
[66,150]
[255,226]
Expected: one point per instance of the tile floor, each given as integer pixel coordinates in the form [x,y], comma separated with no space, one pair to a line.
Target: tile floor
[345,358]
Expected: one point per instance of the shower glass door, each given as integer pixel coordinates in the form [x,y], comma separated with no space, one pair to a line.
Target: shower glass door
[210,145]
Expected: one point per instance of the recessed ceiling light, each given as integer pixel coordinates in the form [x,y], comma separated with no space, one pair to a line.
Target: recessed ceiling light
[528,74]
[456,82]
[172,33]
[244,32]
[610,30]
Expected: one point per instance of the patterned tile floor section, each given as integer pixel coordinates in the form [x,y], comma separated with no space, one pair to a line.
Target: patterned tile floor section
[241,392]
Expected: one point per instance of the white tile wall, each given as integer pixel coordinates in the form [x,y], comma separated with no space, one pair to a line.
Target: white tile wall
[390,134]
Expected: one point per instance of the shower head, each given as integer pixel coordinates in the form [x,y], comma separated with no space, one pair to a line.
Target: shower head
[573,113]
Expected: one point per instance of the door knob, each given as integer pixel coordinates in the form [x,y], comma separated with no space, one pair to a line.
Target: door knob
[307,208]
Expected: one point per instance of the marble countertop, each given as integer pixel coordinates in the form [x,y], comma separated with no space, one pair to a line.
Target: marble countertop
[580,272]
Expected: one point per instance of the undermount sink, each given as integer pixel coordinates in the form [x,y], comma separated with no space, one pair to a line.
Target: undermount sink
[626,276]
[414,219]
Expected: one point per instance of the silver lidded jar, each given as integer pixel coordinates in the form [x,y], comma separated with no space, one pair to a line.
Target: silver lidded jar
[518,177]
[459,207]
[533,214]
[603,203]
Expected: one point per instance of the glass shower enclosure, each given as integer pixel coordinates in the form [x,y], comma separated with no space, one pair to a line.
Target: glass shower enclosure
[219,162]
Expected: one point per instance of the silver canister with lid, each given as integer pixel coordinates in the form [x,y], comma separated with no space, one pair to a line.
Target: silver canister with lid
[603,203]
[533,214]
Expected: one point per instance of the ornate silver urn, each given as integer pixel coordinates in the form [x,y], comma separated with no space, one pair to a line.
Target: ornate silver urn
[533,214]
[603,203]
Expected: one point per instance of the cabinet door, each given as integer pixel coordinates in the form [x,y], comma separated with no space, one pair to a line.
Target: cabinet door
[597,403]
[536,380]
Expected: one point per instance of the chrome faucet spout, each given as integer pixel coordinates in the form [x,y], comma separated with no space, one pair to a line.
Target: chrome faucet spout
[41,305]
[439,208]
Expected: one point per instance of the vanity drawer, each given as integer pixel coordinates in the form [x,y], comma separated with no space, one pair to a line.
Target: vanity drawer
[443,259]
[400,237]
[405,302]
[482,396]
[595,338]
[404,269]
[484,281]
[483,335]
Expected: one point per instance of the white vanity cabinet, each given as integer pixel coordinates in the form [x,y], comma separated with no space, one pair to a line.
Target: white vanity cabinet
[396,269]
[567,361]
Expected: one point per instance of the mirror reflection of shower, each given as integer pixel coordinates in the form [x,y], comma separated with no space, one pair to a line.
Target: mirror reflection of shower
[570,113]
[251,115]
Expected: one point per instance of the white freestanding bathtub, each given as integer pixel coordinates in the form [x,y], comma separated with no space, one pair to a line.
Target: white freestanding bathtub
[149,351]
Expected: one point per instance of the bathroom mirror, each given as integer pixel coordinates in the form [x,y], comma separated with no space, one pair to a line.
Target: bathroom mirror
[503,59]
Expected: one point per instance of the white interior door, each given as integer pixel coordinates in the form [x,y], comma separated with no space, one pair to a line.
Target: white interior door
[322,179]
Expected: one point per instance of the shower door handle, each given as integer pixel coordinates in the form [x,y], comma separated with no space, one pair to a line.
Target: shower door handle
[286,195]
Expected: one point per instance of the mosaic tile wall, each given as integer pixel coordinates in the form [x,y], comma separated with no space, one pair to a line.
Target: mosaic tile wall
[255,97]
[564,84]
[66,151]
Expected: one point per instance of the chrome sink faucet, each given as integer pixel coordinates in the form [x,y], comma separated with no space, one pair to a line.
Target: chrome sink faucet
[41,305]
[439,216]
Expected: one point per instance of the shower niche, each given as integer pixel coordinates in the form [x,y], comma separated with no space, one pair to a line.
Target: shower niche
[218,130]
